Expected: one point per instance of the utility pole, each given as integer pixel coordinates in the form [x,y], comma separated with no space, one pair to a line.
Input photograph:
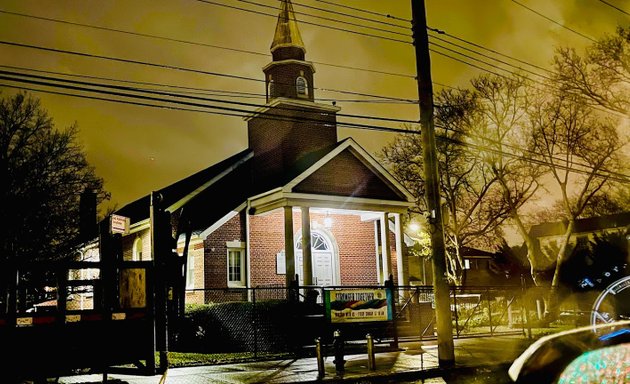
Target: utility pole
[446,351]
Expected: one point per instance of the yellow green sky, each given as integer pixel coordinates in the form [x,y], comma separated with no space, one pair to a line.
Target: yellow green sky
[138,149]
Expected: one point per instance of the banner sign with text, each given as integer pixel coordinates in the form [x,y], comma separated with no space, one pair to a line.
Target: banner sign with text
[358,305]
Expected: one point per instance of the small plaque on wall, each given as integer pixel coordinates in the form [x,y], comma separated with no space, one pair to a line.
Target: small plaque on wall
[281,265]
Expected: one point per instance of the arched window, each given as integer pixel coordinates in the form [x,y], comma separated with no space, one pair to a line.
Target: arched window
[301,86]
[318,242]
[325,259]
[270,89]
[137,250]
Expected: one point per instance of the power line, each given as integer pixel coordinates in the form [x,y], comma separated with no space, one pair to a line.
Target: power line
[328,19]
[307,22]
[243,113]
[354,16]
[483,55]
[615,7]
[442,32]
[195,90]
[183,69]
[555,22]
[365,11]
[146,35]
[216,110]
[80,86]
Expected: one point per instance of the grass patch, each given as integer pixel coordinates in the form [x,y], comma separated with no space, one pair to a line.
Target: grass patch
[185,359]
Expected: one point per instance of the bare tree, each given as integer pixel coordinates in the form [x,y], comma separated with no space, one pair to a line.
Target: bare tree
[602,75]
[582,152]
[501,134]
[472,203]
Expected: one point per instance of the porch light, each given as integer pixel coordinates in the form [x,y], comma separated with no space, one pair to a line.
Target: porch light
[414,227]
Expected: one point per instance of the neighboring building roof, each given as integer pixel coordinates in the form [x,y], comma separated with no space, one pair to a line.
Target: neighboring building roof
[287,32]
[473,253]
[591,224]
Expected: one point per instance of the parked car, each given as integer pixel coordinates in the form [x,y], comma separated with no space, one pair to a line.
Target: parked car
[588,355]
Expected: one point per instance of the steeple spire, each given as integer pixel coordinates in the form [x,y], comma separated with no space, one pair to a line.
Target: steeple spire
[287,33]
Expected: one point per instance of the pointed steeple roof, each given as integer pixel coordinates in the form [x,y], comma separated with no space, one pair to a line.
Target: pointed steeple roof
[287,32]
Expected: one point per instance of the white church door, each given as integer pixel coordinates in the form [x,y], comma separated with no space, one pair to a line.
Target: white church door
[324,265]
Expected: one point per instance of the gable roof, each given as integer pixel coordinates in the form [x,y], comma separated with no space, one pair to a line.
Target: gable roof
[348,170]
[206,196]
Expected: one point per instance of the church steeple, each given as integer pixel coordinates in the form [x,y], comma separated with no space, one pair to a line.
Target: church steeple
[291,129]
[288,75]
[287,37]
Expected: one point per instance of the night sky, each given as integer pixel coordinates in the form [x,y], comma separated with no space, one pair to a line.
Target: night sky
[137,149]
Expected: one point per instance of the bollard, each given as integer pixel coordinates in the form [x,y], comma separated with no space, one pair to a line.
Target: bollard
[370,352]
[320,358]
[338,347]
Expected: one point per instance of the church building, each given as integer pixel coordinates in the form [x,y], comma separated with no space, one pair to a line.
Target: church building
[297,201]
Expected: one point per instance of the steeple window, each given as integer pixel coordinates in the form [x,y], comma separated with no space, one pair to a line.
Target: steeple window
[301,86]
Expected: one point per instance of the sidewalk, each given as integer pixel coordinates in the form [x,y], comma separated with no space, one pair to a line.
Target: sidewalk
[415,361]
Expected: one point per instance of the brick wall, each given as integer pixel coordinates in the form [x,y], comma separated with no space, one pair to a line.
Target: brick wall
[215,251]
[129,240]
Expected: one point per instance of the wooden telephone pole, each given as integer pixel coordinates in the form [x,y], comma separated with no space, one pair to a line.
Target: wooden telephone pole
[446,351]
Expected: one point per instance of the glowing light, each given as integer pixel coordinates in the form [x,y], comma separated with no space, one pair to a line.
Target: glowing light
[414,227]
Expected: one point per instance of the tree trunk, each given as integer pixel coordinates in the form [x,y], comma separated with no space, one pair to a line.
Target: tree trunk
[555,293]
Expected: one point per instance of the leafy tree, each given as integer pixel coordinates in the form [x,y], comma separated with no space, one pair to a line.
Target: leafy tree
[43,172]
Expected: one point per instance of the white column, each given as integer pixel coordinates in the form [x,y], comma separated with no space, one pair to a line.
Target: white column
[387,259]
[307,260]
[379,270]
[289,247]
[403,276]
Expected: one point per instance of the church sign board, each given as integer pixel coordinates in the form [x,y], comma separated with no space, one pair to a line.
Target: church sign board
[119,224]
[358,305]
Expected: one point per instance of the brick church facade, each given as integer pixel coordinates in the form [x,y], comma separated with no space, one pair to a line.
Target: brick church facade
[296,202]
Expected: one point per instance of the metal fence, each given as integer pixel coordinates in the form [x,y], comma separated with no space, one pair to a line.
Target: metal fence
[263,319]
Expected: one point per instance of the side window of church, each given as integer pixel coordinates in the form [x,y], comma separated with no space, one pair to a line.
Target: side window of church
[137,250]
[236,267]
[271,89]
[302,86]
[190,271]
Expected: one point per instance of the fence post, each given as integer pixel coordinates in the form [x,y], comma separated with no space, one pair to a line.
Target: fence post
[254,323]
[525,310]
[456,314]
[489,311]
[370,353]
[320,358]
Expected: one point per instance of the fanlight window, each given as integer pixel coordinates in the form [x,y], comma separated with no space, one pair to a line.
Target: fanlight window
[318,242]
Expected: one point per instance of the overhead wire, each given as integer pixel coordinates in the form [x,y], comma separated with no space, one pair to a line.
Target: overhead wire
[307,22]
[615,7]
[555,22]
[354,16]
[327,19]
[243,113]
[183,69]
[4,75]
[165,38]
[194,90]
[364,10]
[433,51]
